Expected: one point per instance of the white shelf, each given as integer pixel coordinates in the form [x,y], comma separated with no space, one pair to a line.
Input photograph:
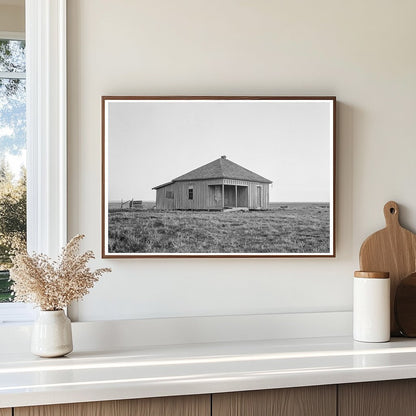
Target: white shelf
[148,371]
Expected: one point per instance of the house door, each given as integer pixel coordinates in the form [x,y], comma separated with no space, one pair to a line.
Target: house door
[259,196]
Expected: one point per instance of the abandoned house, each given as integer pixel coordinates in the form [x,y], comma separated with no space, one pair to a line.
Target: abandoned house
[217,185]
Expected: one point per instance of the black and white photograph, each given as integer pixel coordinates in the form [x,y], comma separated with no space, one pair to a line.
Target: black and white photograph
[218,176]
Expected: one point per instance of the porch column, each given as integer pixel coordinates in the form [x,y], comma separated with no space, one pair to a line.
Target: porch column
[236,205]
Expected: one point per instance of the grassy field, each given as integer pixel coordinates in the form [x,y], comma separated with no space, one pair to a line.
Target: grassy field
[285,228]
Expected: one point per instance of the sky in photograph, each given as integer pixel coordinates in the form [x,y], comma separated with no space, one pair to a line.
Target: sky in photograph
[153,142]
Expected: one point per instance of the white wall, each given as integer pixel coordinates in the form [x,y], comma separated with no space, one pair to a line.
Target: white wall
[361,51]
[12,17]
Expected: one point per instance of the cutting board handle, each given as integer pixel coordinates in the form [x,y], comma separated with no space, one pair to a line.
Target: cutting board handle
[391,214]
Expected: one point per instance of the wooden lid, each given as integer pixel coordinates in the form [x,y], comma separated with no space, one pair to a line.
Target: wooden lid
[372,275]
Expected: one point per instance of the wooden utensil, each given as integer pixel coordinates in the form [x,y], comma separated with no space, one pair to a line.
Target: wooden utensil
[405,306]
[393,250]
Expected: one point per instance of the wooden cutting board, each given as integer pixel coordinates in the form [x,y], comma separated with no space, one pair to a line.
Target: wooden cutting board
[393,250]
[405,306]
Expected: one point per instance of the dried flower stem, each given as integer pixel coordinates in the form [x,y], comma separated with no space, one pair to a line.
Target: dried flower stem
[53,285]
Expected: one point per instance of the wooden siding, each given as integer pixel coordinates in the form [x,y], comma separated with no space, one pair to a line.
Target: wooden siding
[205,195]
[162,202]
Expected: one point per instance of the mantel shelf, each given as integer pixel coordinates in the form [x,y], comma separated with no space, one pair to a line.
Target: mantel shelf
[171,370]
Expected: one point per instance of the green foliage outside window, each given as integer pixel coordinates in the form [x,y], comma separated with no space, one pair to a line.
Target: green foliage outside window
[12,148]
[12,224]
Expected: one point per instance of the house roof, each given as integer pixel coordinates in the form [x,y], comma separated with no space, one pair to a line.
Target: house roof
[163,184]
[221,168]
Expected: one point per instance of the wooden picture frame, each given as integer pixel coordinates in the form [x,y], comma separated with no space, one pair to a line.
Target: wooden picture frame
[223,176]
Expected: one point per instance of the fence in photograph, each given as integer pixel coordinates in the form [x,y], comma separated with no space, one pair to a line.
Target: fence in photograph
[131,204]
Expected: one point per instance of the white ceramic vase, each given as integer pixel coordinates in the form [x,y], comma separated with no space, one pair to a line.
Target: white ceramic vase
[52,334]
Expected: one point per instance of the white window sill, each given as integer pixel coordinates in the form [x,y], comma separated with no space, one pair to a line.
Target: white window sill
[155,371]
[16,313]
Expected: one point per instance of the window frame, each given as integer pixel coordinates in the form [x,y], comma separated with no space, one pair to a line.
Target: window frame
[12,35]
[46,120]
[46,125]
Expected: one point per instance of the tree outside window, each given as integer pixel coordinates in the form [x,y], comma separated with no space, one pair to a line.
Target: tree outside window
[12,156]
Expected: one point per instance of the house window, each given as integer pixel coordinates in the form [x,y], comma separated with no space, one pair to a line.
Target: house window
[12,156]
[169,194]
[191,193]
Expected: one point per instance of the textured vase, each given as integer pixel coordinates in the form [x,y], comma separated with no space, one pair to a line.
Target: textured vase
[52,334]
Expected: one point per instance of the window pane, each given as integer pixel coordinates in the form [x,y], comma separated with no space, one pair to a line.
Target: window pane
[5,293]
[12,56]
[13,121]
[12,159]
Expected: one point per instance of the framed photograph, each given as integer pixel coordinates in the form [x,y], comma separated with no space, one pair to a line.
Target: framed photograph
[218,176]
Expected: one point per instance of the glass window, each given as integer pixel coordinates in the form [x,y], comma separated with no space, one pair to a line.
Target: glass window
[190,193]
[12,156]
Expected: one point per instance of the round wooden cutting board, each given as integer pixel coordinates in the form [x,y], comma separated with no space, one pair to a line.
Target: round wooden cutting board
[393,250]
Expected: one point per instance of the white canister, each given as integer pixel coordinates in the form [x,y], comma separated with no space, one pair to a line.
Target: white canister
[371,309]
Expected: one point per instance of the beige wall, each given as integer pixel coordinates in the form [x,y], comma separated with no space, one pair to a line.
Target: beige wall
[12,18]
[361,51]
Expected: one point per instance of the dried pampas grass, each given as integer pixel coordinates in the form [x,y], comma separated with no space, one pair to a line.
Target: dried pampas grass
[52,285]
